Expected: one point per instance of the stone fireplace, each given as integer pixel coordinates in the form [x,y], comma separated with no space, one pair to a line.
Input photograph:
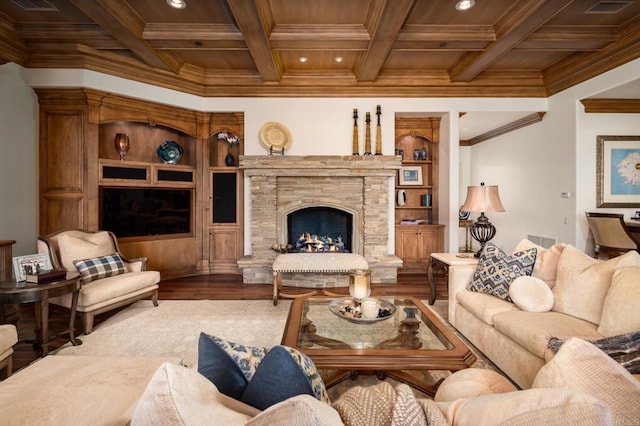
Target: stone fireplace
[356,186]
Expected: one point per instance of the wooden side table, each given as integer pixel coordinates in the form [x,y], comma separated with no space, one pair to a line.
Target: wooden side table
[440,263]
[24,292]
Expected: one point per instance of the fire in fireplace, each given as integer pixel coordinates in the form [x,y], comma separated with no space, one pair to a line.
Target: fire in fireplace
[320,228]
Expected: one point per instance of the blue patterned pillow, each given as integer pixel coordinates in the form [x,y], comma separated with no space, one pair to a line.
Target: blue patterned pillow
[497,270]
[100,267]
[283,373]
[229,366]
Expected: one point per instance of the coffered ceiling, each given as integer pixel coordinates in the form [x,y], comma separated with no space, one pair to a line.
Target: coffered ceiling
[426,48]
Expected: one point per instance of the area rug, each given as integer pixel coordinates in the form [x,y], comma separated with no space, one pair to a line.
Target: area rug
[172,329]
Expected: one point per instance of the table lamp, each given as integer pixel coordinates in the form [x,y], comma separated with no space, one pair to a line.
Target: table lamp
[481,199]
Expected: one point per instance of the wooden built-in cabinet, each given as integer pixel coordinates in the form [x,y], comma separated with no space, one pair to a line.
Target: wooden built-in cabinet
[416,196]
[79,164]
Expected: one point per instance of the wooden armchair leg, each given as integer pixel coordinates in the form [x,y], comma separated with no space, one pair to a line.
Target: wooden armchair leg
[154,298]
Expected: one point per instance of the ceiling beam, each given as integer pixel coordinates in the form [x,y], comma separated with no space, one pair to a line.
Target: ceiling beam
[524,18]
[255,22]
[119,20]
[340,36]
[509,127]
[613,106]
[383,34]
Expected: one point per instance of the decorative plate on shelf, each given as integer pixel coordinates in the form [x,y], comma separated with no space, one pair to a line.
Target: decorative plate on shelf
[462,215]
[169,152]
[275,136]
[349,309]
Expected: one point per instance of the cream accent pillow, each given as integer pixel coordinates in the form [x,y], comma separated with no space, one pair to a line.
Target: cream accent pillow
[472,382]
[89,246]
[583,282]
[582,367]
[546,265]
[528,407]
[301,410]
[178,395]
[531,294]
[621,310]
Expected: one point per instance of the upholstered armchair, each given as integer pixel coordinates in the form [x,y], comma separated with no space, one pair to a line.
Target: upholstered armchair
[8,338]
[108,280]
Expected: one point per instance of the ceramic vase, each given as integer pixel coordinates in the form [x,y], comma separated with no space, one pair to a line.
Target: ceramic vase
[122,144]
[229,160]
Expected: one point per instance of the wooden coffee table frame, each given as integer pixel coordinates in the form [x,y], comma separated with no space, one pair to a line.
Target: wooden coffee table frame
[383,363]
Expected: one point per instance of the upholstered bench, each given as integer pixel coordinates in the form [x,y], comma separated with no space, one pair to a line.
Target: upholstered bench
[312,263]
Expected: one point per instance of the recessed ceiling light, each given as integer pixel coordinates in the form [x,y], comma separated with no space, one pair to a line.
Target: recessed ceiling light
[465,4]
[177,4]
[339,59]
[303,59]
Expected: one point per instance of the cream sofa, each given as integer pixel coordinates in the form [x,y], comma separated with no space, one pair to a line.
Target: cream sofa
[580,385]
[103,294]
[590,299]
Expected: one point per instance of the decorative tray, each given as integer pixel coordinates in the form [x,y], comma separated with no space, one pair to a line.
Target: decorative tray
[275,136]
[347,308]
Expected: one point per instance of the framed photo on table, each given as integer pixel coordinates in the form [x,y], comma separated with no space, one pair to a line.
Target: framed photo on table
[30,264]
[410,175]
[618,171]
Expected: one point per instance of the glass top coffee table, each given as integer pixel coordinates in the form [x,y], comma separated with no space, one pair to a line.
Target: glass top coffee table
[412,338]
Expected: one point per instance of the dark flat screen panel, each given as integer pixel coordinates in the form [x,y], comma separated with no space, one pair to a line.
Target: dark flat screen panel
[136,212]
[110,172]
[224,198]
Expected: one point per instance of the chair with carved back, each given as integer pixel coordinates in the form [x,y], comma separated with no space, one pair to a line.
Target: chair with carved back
[109,280]
[610,234]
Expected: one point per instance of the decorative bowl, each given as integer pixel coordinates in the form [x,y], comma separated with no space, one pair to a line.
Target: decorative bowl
[169,152]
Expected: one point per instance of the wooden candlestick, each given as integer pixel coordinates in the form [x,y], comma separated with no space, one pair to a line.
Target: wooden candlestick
[367,135]
[378,133]
[354,148]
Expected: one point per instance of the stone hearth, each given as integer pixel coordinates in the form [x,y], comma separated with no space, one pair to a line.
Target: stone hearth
[280,185]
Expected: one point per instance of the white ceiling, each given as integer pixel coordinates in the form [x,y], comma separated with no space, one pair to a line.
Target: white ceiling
[473,124]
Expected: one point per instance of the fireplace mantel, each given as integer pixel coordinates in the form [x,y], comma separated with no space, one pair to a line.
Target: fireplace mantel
[293,165]
[280,184]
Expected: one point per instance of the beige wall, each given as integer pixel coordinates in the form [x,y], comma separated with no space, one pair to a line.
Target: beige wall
[18,161]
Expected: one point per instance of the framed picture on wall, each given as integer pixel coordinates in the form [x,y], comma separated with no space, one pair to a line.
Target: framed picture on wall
[618,171]
[30,264]
[410,175]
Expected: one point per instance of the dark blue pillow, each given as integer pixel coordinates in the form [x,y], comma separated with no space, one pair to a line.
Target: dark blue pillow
[283,373]
[228,365]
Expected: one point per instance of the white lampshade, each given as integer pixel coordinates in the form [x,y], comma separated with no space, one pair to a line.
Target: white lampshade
[483,198]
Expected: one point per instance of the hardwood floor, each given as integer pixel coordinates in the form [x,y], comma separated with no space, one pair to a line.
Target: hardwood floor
[220,287]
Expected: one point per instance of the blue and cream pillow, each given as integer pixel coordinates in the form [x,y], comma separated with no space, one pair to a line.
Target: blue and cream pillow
[283,373]
[228,365]
[100,267]
[258,376]
[497,270]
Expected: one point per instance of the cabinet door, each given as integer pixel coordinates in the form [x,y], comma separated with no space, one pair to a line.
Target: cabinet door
[223,250]
[407,245]
[414,245]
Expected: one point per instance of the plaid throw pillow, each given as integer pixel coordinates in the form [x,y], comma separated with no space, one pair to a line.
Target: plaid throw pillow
[100,267]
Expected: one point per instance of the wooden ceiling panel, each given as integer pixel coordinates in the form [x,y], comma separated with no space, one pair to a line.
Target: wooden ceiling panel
[529,60]
[318,12]
[406,60]
[319,60]
[219,60]
[196,12]
[390,47]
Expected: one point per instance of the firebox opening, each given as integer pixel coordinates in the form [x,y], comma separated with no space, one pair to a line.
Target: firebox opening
[324,222]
